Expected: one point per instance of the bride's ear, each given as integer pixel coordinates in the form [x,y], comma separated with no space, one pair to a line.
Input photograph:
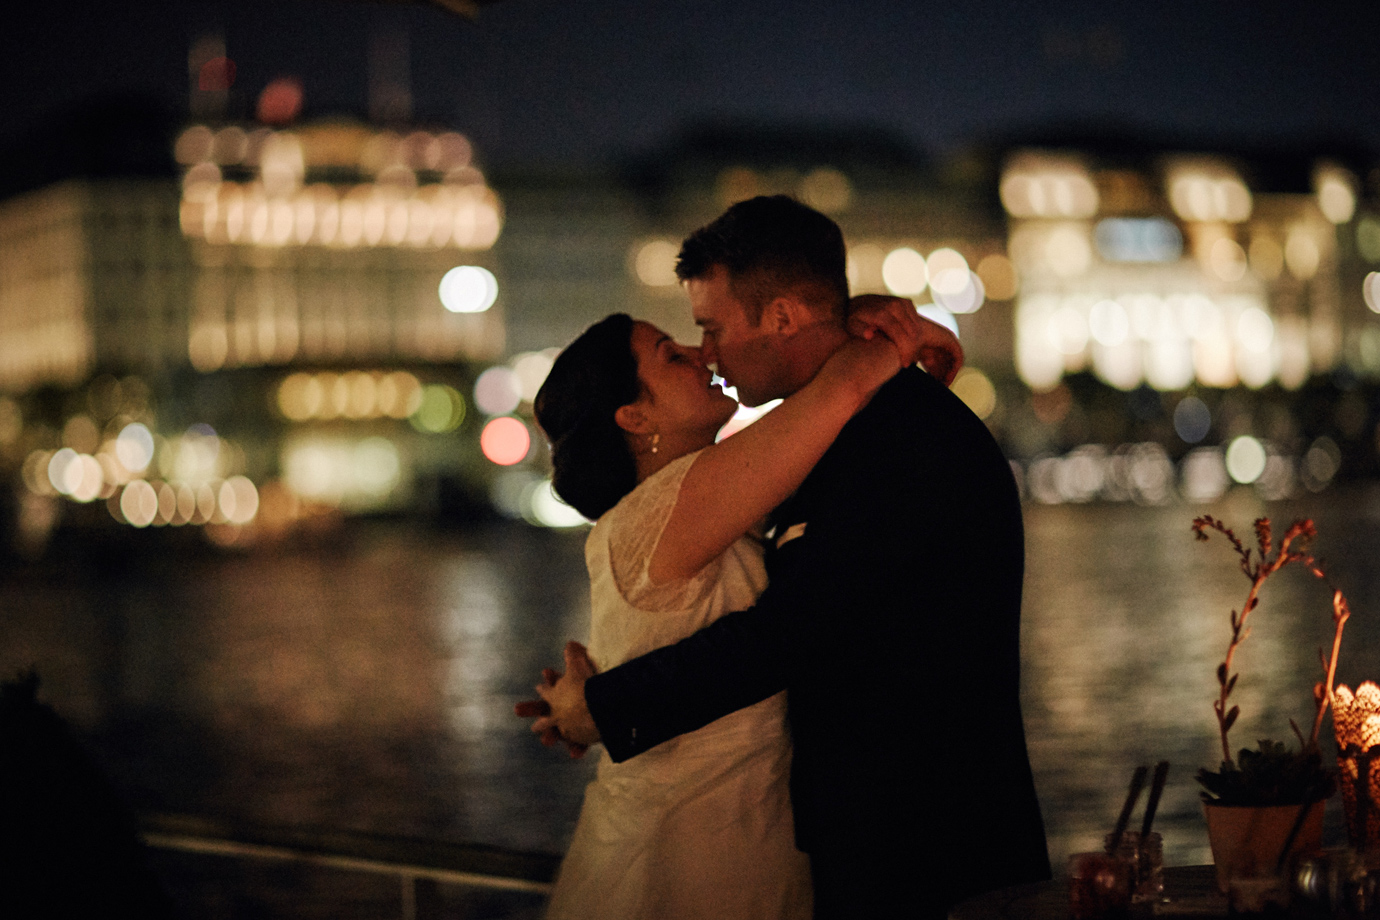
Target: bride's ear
[632,419]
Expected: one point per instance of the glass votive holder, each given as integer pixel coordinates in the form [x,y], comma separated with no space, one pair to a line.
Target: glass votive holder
[1146,858]
[1336,882]
[1099,886]
[1257,895]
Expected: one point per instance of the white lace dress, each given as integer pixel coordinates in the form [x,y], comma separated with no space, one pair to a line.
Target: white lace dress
[700,826]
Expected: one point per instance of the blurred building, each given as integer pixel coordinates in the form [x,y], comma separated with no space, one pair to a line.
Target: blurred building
[1229,297]
[290,322]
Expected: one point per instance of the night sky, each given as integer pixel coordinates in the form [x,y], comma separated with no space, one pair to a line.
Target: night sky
[585,83]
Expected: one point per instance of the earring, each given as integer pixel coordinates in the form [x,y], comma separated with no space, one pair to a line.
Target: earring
[656,438]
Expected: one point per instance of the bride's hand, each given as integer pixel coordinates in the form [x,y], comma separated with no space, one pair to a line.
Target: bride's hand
[865,363]
[566,711]
[916,337]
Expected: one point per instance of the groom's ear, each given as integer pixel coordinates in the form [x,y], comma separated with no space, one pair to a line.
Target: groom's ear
[783,315]
[631,419]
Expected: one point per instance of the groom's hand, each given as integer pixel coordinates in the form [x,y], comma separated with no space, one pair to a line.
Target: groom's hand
[566,712]
[916,337]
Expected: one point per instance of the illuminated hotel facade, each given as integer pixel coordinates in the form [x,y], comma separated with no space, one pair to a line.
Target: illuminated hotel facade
[375,316]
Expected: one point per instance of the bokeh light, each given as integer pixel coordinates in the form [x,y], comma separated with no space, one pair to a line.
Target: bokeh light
[826,189]
[1039,185]
[547,509]
[1227,259]
[1336,193]
[1203,475]
[468,289]
[399,394]
[1255,331]
[134,447]
[441,409]
[1206,192]
[377,468]
[216,76]
[498,391]
[139,503]
[967,299]
[1370,291]
[1108,323]
[654,263]
[505,441]
[1245,459]
[976,390]
[1192,419]
[1301,253]
[238,500]
[1320,464]
[1138,239]
[280,101]
[58,466]
[531,369]
[948,272]
[1067,251]
[904,272]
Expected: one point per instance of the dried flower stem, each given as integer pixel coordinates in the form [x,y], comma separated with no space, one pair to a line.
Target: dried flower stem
[1257,565]
[1322,693]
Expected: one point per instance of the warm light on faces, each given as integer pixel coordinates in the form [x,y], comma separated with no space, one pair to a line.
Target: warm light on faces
[738,348]
[678,392]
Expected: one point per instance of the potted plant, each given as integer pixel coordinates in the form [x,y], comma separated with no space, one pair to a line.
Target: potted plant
[1265,805]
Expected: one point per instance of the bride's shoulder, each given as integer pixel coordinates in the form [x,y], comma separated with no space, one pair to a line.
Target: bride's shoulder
[654,494]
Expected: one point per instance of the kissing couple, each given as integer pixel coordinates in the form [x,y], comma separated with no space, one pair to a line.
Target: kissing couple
[807,635]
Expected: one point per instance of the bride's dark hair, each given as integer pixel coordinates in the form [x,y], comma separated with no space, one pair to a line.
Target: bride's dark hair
[589,380]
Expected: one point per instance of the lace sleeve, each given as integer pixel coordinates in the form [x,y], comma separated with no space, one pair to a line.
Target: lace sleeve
[636,529]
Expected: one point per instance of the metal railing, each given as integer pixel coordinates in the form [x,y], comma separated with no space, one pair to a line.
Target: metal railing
[410,860]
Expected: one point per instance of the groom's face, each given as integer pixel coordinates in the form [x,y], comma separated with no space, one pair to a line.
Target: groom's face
[740,350]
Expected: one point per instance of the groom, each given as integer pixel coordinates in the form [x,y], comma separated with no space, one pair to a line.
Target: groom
[892,615]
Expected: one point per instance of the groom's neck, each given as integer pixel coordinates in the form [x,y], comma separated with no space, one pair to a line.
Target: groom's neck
[807,352]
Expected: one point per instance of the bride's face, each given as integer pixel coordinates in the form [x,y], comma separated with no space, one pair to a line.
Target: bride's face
[678,395]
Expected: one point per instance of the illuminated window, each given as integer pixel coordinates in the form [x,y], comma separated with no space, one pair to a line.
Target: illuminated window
[1336,192]
[1206,190]
[1042,185]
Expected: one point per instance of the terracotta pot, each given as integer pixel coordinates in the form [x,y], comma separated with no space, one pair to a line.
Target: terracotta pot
[1246,840]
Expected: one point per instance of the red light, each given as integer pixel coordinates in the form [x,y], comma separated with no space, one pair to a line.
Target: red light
[281,101]
[217,75]
[505,441]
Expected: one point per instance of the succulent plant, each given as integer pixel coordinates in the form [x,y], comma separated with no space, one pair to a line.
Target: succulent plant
[1273,774]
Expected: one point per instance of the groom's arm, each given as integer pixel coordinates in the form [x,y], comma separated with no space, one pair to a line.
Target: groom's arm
[746,656]
[737,660]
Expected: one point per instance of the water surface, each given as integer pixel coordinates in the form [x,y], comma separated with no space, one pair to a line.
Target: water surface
[365,680]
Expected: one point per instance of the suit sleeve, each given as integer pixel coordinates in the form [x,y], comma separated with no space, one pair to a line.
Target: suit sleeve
[733,662]
[746,656]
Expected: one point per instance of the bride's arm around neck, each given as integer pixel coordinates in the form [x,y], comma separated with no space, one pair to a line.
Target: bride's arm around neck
[733,484]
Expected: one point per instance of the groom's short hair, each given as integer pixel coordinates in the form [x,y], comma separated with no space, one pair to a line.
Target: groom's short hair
[771,245]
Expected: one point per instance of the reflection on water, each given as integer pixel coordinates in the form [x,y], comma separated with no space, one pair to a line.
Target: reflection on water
[1126,617]
[368,684]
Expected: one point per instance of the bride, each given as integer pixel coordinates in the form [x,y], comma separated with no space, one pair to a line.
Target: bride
[699,826]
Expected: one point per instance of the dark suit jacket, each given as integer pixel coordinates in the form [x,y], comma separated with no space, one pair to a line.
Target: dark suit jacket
[894,622]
